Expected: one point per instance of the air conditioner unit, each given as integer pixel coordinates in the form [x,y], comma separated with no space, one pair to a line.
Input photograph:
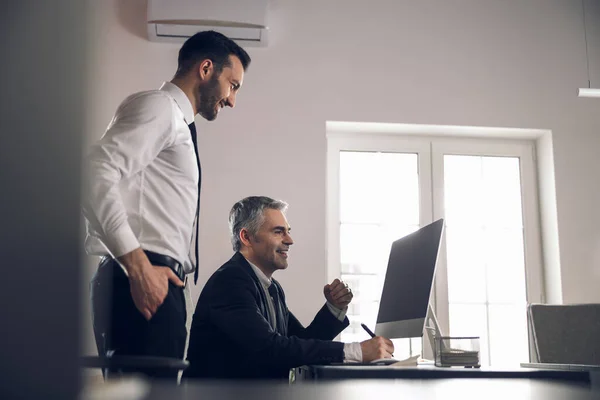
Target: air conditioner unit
[244,21]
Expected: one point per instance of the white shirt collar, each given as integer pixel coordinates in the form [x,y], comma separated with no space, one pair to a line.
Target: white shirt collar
[266,282]
[181,99]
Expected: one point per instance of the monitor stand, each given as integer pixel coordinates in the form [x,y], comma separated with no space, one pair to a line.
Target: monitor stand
[432,327]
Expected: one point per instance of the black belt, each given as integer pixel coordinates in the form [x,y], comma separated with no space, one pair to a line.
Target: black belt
[161,260]
[166,261]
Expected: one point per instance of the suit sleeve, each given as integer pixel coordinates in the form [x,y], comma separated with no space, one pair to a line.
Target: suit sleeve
[325,326]
[234,309]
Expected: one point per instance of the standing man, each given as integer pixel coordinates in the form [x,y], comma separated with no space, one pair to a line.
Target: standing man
[142,202]
[242,328]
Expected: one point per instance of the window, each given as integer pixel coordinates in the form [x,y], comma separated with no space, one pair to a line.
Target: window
[382,187]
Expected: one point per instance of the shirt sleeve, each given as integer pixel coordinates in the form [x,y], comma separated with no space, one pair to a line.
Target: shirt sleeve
[352,352]
[339,314]
[139,131]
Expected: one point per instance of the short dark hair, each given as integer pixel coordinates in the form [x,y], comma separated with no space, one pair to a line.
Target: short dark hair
[209,45]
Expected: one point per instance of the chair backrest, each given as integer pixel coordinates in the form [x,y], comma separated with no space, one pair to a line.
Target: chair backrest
[120,365]
[566,334]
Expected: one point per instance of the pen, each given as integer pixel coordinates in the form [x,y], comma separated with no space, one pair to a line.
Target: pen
[368,330]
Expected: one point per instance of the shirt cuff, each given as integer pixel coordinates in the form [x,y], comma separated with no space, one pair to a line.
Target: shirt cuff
[122,241]
[352,352]
[339,314]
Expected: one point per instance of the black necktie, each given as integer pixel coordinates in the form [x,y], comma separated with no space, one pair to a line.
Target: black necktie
[279,317]
[192,127]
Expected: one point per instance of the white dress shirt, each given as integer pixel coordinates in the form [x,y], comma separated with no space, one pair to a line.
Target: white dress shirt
[352,351]
[142,179]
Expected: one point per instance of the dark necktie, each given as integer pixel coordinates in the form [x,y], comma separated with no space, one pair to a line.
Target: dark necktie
[192,127]
[279,317]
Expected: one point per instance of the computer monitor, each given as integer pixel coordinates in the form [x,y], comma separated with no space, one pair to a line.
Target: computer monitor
[409,282]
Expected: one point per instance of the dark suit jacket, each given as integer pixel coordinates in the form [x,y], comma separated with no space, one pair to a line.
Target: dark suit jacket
[231,335]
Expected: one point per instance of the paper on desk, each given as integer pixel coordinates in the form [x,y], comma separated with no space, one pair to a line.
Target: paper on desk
[408,362]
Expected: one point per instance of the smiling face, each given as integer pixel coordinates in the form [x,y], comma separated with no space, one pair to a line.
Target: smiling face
[268,248]
[218,90]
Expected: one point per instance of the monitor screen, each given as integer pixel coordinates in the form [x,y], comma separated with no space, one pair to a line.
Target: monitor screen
[408,283]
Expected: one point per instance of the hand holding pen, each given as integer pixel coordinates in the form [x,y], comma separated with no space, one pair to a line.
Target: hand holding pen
[377,347]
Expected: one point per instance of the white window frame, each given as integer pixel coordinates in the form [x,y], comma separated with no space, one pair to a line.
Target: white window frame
[338,142]
[525,151]
[430,151]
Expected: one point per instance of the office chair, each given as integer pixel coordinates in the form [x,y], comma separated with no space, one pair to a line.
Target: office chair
[116,366]
[566,334]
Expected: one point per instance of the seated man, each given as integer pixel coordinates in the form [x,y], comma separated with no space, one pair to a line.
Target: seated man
[242,327]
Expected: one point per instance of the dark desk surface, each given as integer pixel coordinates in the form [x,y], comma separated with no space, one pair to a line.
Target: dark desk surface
[513,389]
[349,371]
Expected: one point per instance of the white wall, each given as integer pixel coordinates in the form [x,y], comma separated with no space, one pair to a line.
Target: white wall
[510,63]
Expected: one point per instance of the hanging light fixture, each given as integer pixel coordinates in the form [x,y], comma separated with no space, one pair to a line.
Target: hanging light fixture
[587,92]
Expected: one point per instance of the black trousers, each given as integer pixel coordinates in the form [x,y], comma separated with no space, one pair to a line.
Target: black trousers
[120,329]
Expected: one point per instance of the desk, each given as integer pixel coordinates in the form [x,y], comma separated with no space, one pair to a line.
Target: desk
[464,389]
[349,371]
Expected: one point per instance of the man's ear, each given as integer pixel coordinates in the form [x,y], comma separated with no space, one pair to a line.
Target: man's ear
[205,69]
[245,237]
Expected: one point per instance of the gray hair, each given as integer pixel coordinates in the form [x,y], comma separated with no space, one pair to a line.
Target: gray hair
[248,214]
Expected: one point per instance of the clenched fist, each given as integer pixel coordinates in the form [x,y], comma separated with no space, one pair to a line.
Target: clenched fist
[338,294]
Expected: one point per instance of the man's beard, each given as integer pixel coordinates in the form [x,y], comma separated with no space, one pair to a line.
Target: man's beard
[208,95]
